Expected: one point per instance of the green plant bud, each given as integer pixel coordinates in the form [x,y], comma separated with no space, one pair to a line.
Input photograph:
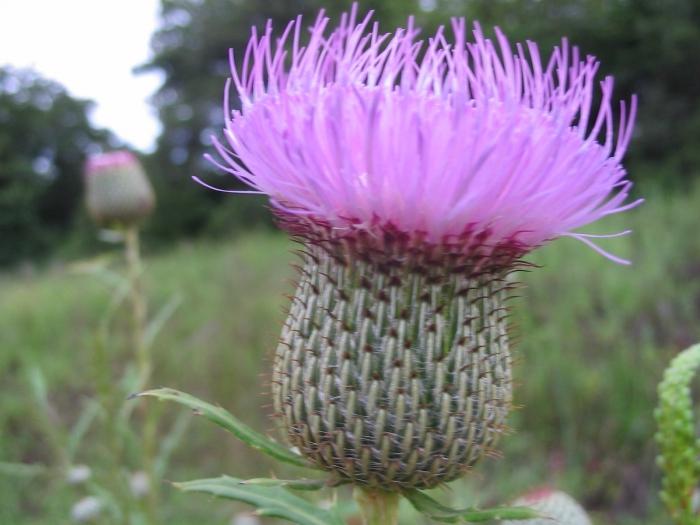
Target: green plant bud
[676,437]
[117,190]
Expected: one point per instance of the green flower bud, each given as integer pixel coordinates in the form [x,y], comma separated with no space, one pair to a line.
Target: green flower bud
[117,189]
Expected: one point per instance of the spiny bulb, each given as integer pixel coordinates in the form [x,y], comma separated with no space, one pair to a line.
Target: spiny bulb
[555,507]
[415,175]
[117,190]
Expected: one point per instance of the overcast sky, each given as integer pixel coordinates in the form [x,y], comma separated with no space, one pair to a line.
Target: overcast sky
[89,46]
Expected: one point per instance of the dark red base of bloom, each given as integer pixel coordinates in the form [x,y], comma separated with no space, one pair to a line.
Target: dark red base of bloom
[471,253]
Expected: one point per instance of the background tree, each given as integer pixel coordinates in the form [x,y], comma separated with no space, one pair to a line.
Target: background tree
[44,138]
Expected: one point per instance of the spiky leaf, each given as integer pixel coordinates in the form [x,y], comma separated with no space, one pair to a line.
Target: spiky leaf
[439,512]
[295,484]
[230,423]
[269,500]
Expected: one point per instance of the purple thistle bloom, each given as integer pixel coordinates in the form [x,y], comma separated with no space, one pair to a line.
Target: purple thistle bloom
[361,131]
[416,175]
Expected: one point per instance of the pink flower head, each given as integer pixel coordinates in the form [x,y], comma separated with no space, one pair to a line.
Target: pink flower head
[100,162]
[437,140]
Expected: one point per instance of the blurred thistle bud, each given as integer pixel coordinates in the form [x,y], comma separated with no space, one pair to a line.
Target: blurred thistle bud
[139,484]
[86,510]
[78,474]
[415,182]
[117,189]
[555,507]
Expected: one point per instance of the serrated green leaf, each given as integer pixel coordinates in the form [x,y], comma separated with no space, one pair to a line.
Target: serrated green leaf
[227,421]
[439,512]
[270,501]
[294,484]
[119,295]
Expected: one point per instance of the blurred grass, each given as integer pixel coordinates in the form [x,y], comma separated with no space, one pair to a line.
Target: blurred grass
[594,340]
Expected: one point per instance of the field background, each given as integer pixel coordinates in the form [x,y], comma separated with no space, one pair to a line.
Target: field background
[594,338]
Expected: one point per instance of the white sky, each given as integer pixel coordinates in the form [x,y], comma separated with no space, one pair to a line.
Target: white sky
[89,46]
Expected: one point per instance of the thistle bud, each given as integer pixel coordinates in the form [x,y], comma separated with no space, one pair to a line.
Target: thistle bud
[556,508]
[117,189]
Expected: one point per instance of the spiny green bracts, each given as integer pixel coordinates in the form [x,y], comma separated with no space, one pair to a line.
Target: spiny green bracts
[555,507]
[394,374]
[679,446]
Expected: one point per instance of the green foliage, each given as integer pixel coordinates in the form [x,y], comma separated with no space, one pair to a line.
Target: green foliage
[269,501]
[439,512]
[679,446]
[594,338]
[226,420]
[295,484]
[104,477]
[268,496]
[44,137]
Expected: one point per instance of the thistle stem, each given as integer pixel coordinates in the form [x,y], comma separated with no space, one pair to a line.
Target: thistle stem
[378,507]
[144,365]
[109,396]
[138,304]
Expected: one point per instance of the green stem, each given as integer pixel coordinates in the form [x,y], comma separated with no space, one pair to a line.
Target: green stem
[378,507]
[138,305]
[109,396]
[144,365]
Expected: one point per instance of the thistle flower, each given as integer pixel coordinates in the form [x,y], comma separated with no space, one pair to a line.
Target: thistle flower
[117,189]
[416,175]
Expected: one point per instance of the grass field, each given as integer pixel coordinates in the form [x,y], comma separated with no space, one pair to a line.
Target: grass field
[594,338]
